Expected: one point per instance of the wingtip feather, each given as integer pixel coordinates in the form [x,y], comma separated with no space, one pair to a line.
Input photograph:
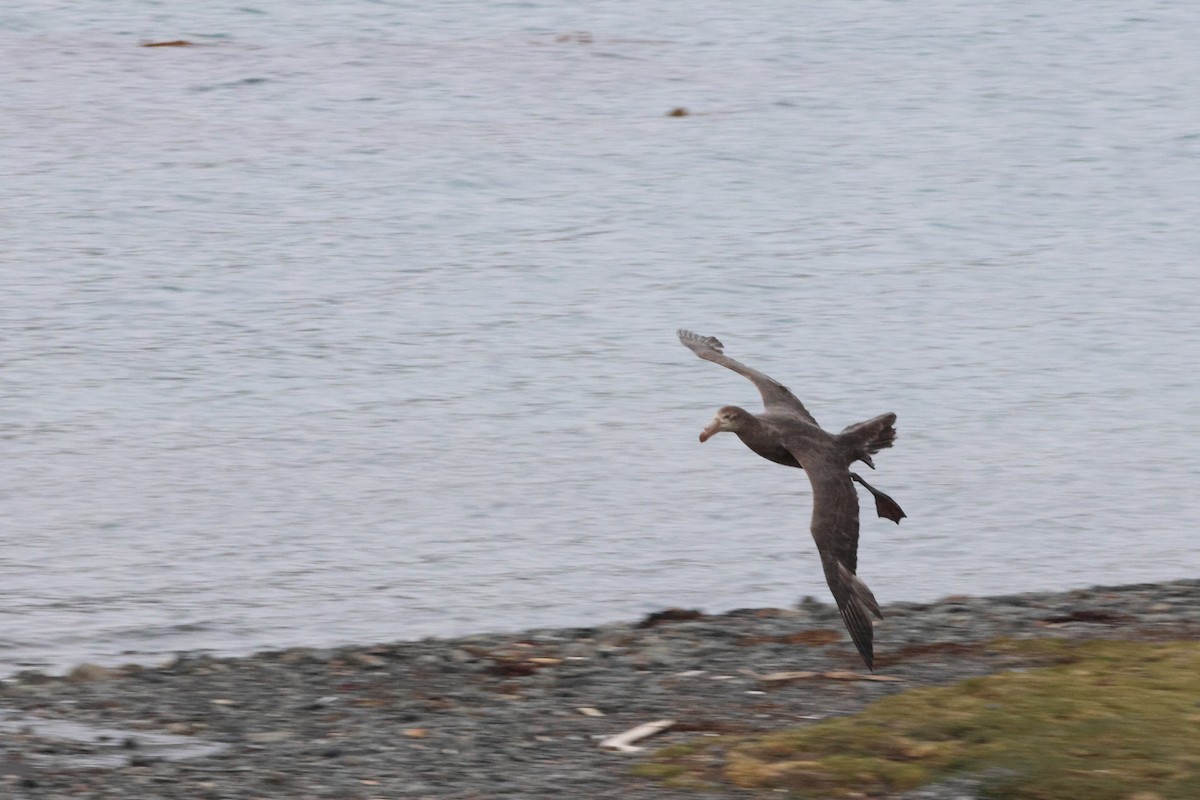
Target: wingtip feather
[855,605]
[695,340]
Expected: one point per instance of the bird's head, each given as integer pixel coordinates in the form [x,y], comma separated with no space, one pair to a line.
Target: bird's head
[729,418]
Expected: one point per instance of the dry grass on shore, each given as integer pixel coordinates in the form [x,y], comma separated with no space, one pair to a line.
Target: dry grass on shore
[1106,720]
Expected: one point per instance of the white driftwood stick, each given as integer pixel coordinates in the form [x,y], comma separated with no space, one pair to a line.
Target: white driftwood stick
[837,675]
[623,742]
[778,677]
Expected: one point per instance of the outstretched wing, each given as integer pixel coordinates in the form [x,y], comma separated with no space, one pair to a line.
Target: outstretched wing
[776,396]
[835,530]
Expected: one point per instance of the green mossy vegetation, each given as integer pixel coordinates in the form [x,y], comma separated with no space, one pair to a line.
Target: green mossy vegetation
[1107,720]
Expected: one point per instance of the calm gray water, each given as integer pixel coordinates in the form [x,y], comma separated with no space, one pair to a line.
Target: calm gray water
[355,321]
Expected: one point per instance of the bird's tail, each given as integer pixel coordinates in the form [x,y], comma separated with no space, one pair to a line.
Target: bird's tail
[856,601]
[862,440]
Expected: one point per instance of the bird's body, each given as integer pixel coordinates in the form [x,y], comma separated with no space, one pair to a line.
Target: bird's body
[787,434]
[764,434]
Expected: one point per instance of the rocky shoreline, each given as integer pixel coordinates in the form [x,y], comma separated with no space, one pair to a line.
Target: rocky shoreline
[515,715]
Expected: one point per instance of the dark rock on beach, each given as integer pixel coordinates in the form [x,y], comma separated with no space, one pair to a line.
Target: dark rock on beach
[515,715]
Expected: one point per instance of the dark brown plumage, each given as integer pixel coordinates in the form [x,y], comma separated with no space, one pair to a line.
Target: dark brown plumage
[787,434]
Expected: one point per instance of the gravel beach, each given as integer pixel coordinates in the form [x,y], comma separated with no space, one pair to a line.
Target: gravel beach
[518,714]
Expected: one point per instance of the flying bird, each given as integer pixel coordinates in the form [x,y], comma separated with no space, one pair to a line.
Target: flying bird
[787,434]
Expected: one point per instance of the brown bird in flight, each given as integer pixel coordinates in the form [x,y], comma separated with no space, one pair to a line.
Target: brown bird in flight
[787,434]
